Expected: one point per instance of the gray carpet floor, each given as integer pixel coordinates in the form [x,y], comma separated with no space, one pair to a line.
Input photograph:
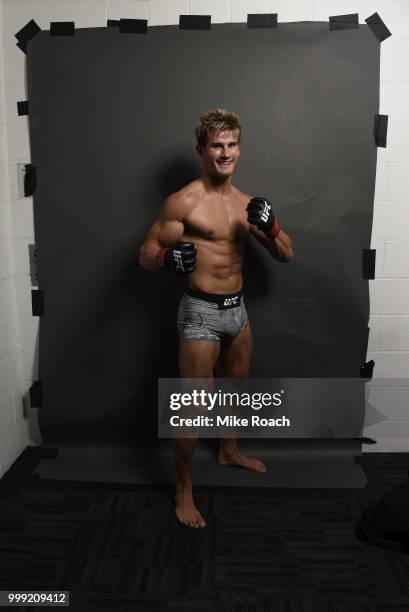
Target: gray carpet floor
[119,547]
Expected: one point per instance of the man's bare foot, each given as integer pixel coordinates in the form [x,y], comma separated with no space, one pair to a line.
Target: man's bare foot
[237,458]
[186,511]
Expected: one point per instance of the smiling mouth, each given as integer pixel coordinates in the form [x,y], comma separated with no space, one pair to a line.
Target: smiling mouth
[224,163]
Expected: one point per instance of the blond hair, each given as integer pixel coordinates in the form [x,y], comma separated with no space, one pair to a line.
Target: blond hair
[217,119]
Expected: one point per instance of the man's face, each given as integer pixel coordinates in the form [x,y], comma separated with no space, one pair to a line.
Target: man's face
[221,153]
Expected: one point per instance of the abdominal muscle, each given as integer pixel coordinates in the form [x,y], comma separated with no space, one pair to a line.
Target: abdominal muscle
[218,265]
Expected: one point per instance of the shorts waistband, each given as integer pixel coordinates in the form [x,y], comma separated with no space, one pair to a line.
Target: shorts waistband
[223,300]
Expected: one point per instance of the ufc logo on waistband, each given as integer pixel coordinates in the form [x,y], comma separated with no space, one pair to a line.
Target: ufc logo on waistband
[230,301]
[266,212]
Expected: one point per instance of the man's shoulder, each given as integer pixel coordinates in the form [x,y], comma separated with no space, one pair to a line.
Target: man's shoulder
[187,196]
[244,198]
[181,202]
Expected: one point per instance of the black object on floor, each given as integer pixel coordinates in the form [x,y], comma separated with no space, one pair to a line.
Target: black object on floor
[386,522]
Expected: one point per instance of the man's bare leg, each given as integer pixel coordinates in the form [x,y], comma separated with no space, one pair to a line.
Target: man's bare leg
[197,359]
[234,362]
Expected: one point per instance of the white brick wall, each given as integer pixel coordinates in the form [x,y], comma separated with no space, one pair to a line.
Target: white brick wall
[13,433]
[220,10]
[128,9]
[240,8]
[162,12]
[396,260]
[389,292]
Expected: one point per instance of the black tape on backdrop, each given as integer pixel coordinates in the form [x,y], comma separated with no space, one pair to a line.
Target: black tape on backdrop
[30,180]
[344,22]
[380,130]
[262,20]
[27,33]
[62,28]
[368,263]
[33,258]
[133,26]
[366,370]
[22,108]
[36,394]
[378,27]
[366,440]
[113,23]
[195,22]
[37,302]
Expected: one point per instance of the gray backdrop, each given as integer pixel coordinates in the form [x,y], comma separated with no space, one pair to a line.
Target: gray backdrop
[111,129]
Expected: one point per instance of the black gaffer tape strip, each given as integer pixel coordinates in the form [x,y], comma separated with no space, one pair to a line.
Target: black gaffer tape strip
[380,130]
[133,26]
[262,20]
[36,394]
[22,108]
[366,440]
[62,28]
[49,453]
[195,22]
[366,370]
[344,22]
[30,180]
[37,302]
[113,23]
[378,27]
[26,33]
[368,263]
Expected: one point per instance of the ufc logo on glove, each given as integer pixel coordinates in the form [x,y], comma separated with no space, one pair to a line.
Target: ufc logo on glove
[266,212]
[178,261]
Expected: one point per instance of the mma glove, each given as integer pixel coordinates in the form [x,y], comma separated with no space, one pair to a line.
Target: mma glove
[181,258]
[260,214]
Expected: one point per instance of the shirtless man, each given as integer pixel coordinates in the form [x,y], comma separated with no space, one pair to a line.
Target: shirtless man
[200,232]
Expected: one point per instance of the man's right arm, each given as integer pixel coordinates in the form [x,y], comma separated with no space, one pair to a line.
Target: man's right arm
[165,232]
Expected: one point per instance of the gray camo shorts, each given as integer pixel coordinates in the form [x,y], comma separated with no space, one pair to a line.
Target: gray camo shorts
[209,316]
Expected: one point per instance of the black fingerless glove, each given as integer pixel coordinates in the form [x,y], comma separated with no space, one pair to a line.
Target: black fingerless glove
[260,214]
[181,258]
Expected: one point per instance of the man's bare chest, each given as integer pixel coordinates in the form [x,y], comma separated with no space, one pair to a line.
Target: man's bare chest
[218,220]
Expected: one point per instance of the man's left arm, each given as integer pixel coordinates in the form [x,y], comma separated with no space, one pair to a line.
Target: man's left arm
[280,247]
[265,227]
